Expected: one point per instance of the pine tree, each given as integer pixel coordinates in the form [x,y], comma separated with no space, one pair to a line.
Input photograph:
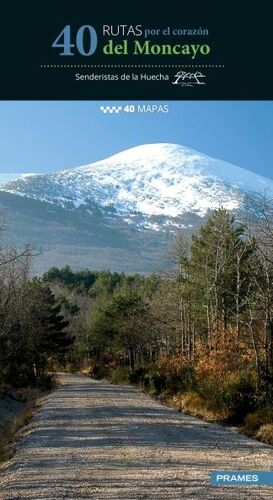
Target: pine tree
[219,268]
[49,334]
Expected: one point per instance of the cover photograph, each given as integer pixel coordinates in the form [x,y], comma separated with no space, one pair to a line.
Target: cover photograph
[136,253]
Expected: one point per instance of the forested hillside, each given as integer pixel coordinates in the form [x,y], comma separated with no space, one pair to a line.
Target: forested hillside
[200,336]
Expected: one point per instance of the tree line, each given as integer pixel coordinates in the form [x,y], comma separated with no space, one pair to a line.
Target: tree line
[207,324]
[32,328]
[203,329]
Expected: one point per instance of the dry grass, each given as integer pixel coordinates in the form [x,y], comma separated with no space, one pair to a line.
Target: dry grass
[10,430]
[29,399]
[86,371]
[255,420]
[259,424]
[193,403]
[265,433]
[20,421]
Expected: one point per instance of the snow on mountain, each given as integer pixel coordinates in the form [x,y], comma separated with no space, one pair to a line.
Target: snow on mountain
[6,178]
[153,179]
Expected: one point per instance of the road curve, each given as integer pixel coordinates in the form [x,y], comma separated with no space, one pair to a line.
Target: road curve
[94,440]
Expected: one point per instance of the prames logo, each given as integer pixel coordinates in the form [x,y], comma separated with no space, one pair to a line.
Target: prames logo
[239,478]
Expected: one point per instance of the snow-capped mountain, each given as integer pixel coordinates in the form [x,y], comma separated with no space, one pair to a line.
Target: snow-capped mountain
[6,178]
[120,213]
[146,182]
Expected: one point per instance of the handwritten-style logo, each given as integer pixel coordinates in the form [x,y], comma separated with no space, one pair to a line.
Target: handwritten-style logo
[188,79]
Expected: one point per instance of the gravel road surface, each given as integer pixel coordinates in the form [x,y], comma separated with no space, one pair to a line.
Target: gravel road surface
[94,440]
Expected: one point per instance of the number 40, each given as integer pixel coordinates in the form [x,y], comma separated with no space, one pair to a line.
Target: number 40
[63,41]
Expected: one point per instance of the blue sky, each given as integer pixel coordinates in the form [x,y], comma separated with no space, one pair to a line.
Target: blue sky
[52,135]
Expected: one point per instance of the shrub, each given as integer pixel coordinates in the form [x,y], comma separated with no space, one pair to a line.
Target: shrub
[183,381]
[157,382]
[148,382]
[265,433]
[45,381]
[153,382]
[171,365]
[194,403]
[120,375]
[253,421]
[233,399]
[239,398]
[71,368]
[99,372]
[137,375]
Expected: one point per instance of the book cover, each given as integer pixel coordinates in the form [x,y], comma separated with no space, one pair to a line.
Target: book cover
[136,253]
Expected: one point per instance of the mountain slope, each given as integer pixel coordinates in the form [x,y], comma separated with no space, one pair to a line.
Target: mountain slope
[6,178]
[154,179]
[122,212]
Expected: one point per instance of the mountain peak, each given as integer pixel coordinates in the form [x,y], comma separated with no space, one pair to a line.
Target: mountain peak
[161,179]
[147,155]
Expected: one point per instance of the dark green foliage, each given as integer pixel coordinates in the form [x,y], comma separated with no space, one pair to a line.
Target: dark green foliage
[69,308]
[236,397]
[220,255]
[98,283]
[137,375]
[32,333]
[99,371]
[120,375]
[183,381]
[154,382]
[81,280]
[105,283]
[239,398]
[206,328]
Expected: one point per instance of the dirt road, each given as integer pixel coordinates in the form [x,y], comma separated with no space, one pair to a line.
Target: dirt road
[94,440]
